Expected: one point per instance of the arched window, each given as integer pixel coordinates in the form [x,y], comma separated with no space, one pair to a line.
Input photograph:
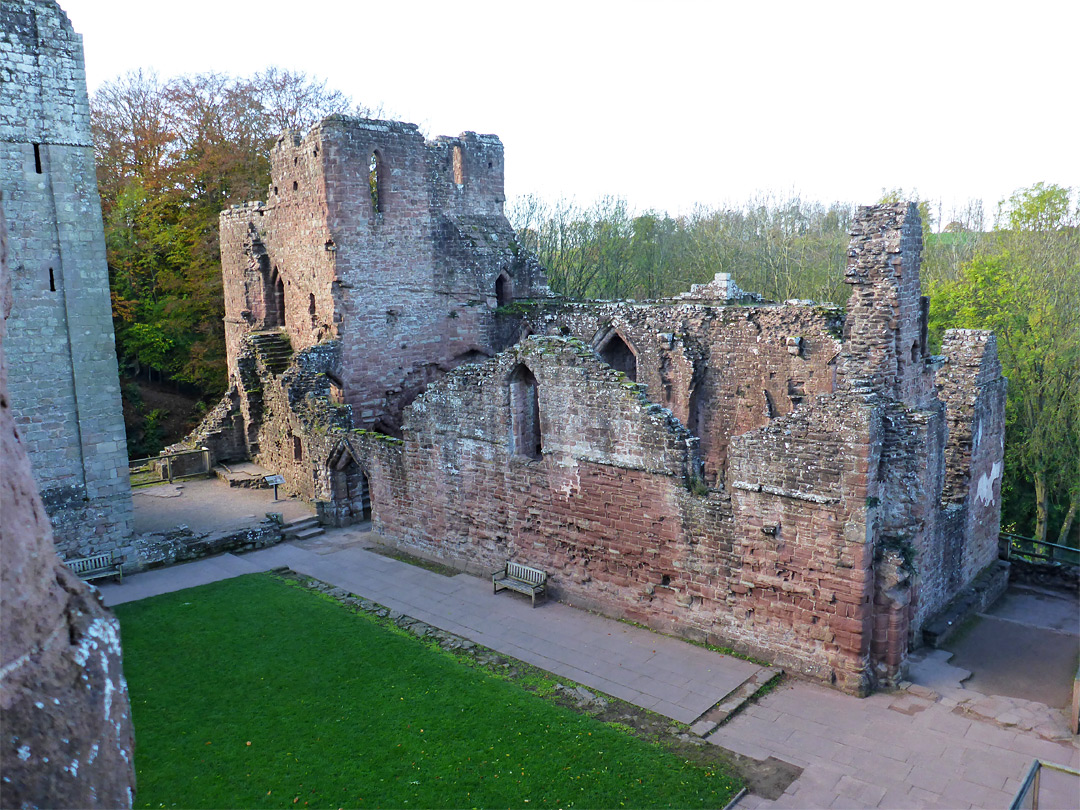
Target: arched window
[375,179]
[619,356]
[504,290]
[525,414]
[459,166]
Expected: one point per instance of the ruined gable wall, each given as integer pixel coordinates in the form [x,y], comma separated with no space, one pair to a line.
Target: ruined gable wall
[971,385]
[611,510]
[799,488]
[65,388]
[721,370]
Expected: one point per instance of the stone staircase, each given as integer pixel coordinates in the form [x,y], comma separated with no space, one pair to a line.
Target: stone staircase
[302,529]
[274,349]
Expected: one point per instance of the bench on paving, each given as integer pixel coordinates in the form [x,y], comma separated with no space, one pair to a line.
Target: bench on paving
[520,578]
[98,566]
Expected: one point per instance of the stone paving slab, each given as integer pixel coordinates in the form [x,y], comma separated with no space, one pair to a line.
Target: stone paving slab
[907,749]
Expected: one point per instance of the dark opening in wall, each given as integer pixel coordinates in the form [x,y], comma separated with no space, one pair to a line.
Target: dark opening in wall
[770,406]
[297,449]
[619,356]
[311,309]
[504,290]
[337,389]
[37,158]
[459,166]
[375,182]
[52,280]
[295,185]
[525,413]
[279,302]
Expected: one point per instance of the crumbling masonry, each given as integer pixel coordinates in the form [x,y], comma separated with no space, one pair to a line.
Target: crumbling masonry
[799,482]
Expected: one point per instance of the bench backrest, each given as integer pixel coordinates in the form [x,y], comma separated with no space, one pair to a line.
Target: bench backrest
[95,563]
[534,576]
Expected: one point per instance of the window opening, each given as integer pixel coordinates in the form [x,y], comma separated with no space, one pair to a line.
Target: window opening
[52,280]
[620,356]
[374,182]
[37,158]
[295,185]
[525,414]
[770,406]
[297,449]
[459,166]
[504,291]
[311,309]
[279,302]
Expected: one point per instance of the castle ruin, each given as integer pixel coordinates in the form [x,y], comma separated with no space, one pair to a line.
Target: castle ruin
[801,483]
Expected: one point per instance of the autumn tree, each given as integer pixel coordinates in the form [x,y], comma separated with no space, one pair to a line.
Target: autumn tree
[171,155]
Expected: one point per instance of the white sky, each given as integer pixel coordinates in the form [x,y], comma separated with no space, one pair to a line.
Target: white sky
[669,103]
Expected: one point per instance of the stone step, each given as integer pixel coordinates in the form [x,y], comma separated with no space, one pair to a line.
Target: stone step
[734,701]
[302,529]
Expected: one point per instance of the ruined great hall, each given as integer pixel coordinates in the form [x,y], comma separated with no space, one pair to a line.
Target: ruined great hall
[801,483]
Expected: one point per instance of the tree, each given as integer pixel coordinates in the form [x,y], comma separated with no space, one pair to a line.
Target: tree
[171,155]
[1025,285]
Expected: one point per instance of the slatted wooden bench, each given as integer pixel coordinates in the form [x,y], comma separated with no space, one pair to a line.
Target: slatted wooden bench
[520,578]
[98,566]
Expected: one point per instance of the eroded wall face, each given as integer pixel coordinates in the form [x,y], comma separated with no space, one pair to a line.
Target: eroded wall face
[614,512]
[64,386]
[395,245]
[721,370]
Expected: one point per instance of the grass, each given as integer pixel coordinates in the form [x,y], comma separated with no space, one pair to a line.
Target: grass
[254,692]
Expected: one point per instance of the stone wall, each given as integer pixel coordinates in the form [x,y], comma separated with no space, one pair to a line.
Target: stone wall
[721,369]
[408,260]
[613,507]
[67,738]
[65,391]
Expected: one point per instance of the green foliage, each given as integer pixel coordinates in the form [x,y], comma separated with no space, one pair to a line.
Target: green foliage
[1024,284]
[254,693]
[780,247]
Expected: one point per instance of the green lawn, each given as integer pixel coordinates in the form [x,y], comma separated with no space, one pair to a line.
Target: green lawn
[255,692]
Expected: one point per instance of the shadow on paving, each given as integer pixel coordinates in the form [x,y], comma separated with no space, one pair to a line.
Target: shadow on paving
[1026,646]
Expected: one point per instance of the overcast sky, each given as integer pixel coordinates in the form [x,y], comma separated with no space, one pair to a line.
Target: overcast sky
[670,103]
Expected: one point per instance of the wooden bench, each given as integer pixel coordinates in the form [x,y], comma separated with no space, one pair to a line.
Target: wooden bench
[520,578]
[98,566]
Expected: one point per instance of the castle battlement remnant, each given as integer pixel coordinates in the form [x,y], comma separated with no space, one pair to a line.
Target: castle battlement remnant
[802,482]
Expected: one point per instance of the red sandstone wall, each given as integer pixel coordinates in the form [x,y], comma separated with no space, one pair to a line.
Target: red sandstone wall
[712,365]
[609,510]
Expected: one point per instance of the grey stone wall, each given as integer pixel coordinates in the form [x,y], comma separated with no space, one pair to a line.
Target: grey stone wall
[65,391]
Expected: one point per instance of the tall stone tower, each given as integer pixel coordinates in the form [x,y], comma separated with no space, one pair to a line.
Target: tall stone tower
[64,387]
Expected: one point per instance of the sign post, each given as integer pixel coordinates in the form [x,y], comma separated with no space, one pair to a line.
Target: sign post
[275,481]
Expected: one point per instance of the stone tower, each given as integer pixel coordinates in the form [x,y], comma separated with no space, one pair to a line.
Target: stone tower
[64,387]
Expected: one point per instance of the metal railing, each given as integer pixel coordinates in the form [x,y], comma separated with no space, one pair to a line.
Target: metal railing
[1061,793]
[1032,550]
[169,467]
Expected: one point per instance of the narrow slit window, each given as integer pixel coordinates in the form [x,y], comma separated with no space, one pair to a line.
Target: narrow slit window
[375,182]
[297,449]
[52,280]
[37,158]
[459,166]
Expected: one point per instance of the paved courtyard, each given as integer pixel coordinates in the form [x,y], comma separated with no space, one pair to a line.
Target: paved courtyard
[914,748]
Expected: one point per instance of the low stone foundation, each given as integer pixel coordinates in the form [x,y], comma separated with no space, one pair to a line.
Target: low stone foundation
[160,549]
